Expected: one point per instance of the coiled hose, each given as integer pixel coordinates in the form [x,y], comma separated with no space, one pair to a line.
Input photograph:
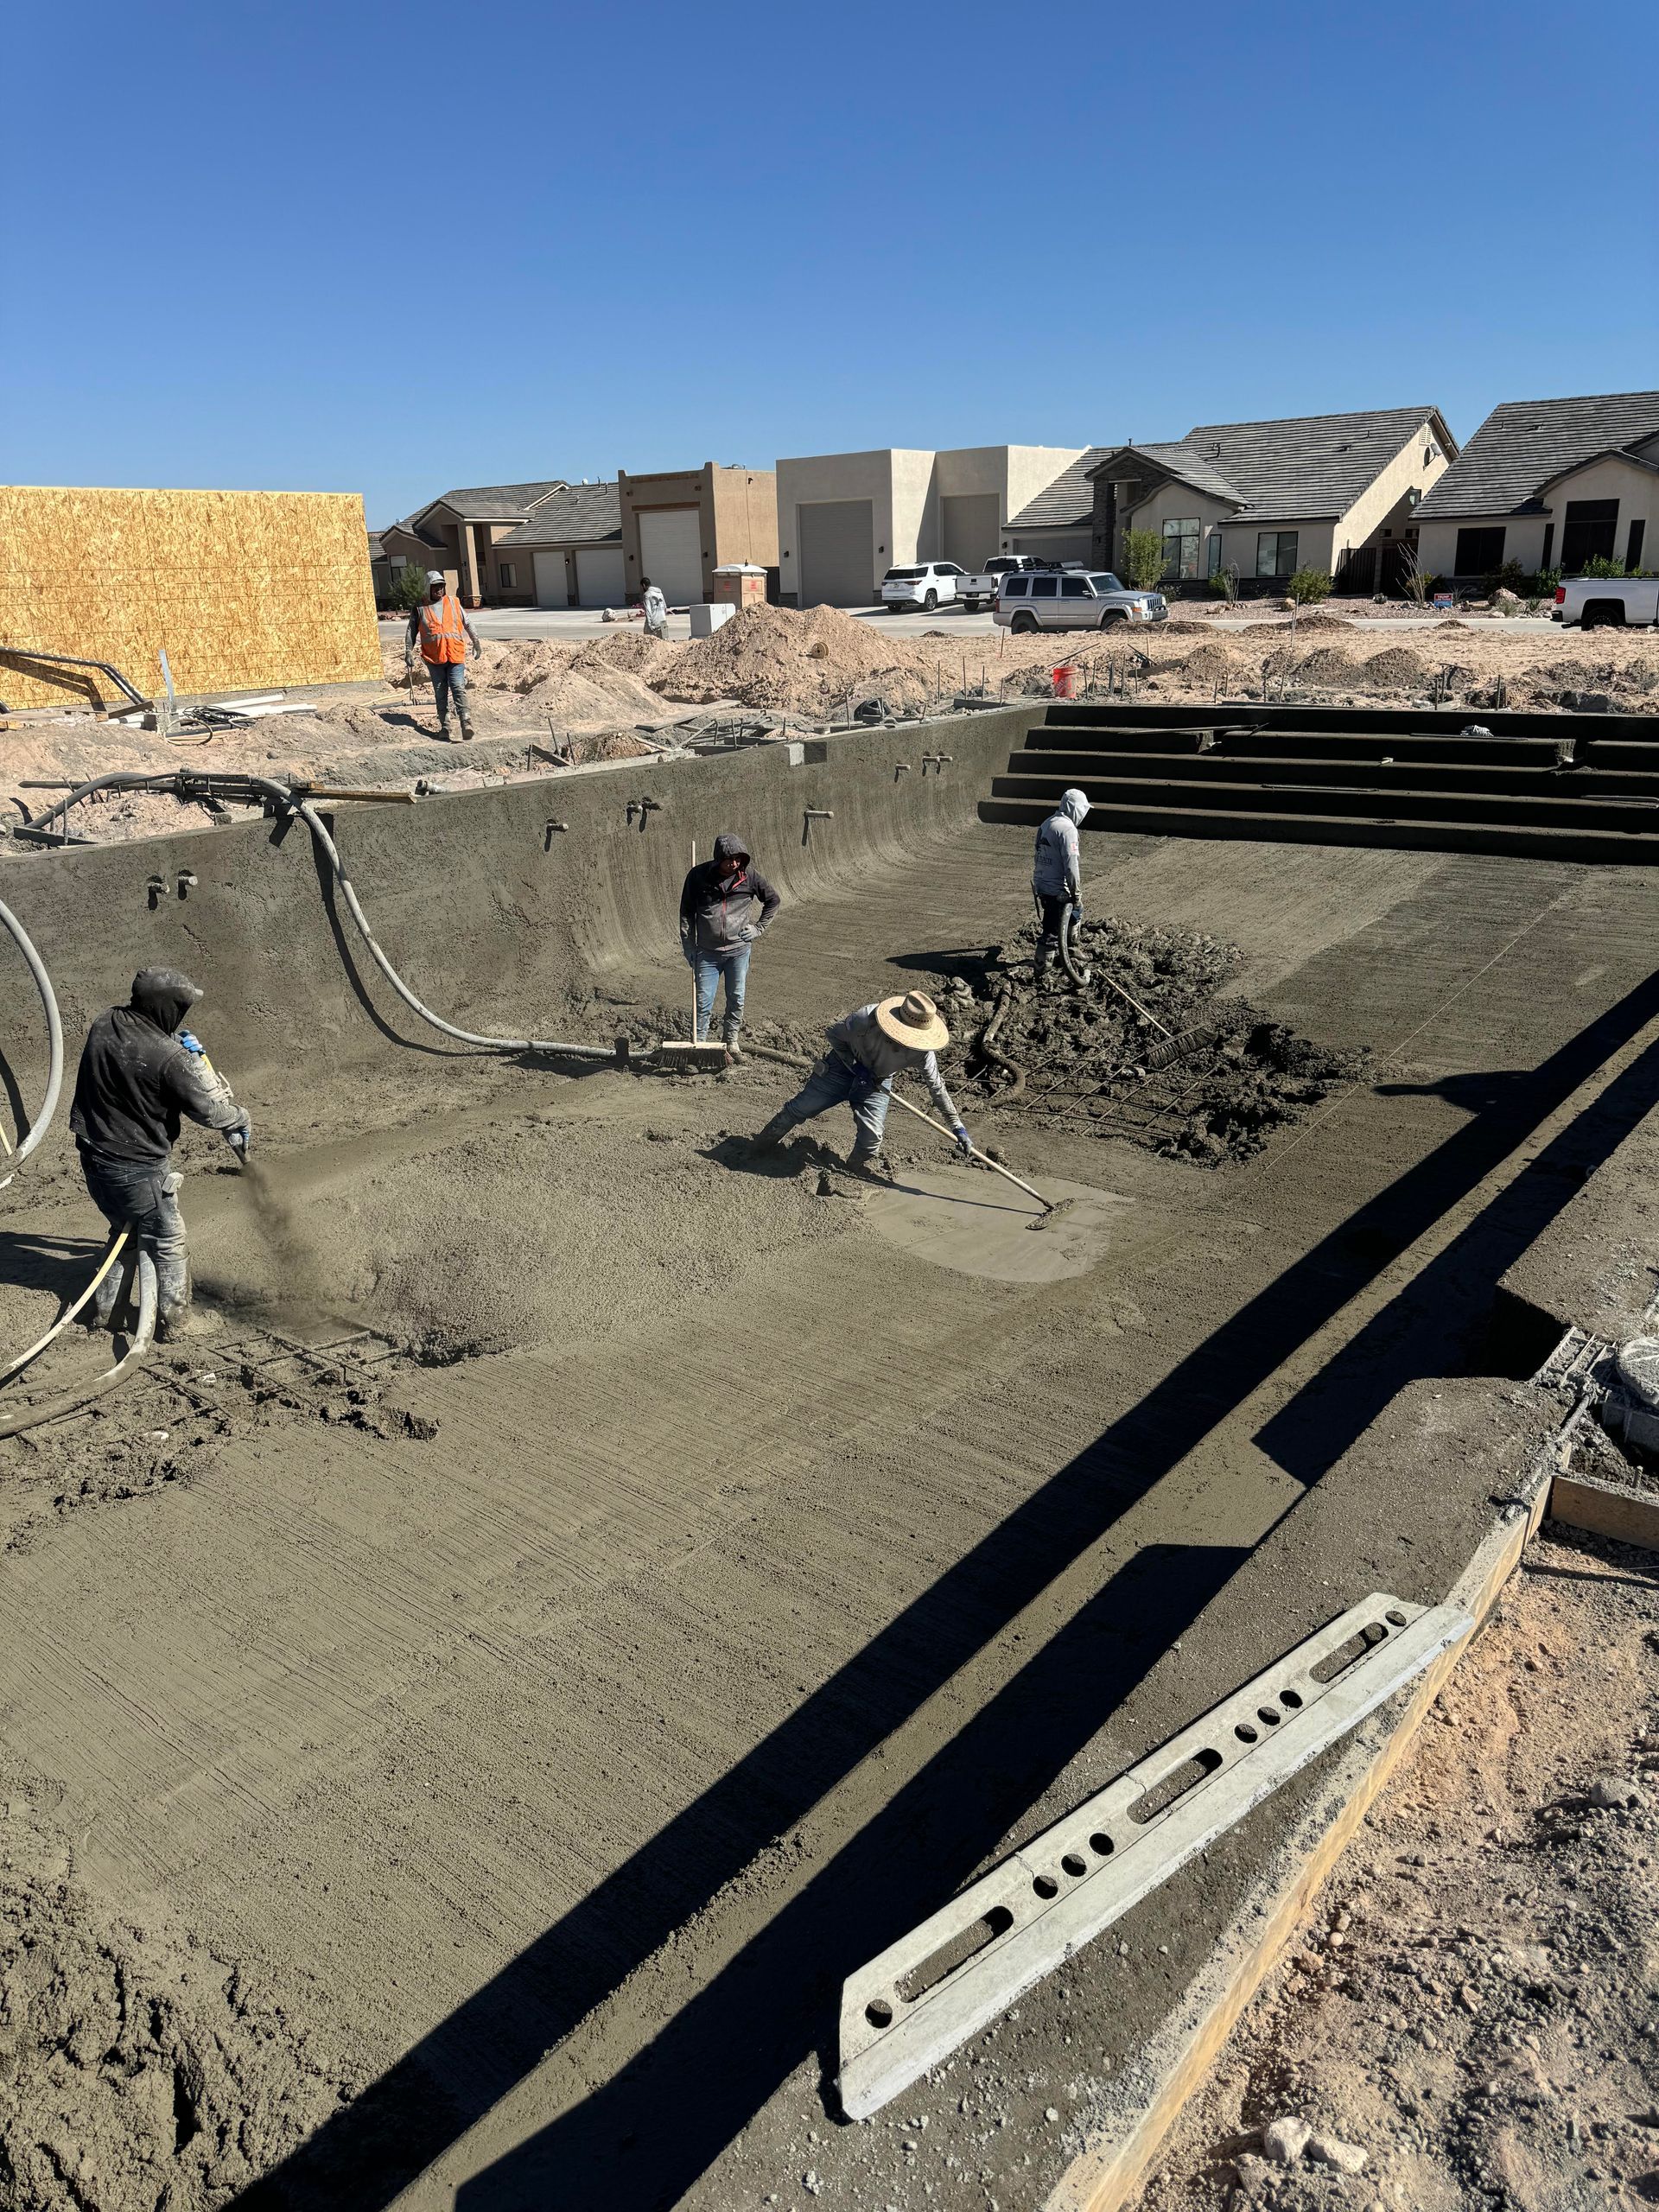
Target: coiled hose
[986,1046]
[37,968]
[71,1401]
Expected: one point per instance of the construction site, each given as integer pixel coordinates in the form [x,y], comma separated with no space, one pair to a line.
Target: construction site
[613,1667]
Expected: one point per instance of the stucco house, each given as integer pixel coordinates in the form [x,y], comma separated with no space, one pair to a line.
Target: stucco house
[1340,492]
[460,532]
[1549,484]
[845,519]
[571,548]
[679,525]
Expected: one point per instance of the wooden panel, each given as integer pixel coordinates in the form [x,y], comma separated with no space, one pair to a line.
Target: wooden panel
[1628,1516]
[245,590]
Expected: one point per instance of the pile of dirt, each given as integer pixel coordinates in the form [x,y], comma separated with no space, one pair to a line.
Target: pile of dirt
[1324,668]
[1469,2012]
[1321,622]
[138,2068]
[1396,668]
[1211,663]
[779,660]
[1081,1053]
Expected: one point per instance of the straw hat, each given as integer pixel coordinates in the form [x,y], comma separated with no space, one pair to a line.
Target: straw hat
[913,1019]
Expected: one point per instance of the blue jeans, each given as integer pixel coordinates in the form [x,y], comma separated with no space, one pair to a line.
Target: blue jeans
[142,1195]
[708,968]
[448,682]
[832,1083]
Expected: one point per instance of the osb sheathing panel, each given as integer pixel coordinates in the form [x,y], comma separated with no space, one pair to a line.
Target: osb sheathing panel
[245,590]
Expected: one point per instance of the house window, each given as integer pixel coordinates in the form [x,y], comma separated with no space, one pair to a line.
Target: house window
[1214,553]
[1633,557]
[1549,543]
[506,568]
[1587,532]
[1480,552]
[1275,552]
[1181,550]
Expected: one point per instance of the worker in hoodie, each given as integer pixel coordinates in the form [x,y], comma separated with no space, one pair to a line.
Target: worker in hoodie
[139,1074]
[871,1045]
[1056,875]
[718,926]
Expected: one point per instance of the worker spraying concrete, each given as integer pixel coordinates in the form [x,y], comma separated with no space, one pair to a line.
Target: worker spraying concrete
[719,925]
[140,1075]
[867,1049]
[1056,877]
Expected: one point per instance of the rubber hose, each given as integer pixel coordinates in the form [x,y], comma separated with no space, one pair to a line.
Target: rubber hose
[1081,977]
[111,1253]
[987,1045]
[53,1041]
[70,1402]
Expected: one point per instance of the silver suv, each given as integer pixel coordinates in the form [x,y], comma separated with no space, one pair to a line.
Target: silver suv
[1074,599]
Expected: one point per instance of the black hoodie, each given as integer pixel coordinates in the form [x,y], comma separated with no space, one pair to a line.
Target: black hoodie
[136,1079]
[714,908]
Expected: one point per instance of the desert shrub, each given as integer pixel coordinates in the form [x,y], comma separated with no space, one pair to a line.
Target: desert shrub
[1143,558]
[1308,586]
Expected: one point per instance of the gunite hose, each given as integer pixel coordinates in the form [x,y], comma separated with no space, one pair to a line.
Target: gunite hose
[36,967]
[71,1401]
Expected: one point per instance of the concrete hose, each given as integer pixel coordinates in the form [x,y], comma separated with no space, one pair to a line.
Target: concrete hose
[987,1045]
[36,967]
[112,1252]
[1081,976]
[72,1400]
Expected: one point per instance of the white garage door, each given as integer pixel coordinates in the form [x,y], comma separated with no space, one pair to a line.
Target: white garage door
[599,576]
[671,552]
[551,589]
[837,556]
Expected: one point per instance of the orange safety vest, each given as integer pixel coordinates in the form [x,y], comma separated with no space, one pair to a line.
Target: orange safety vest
[443,635]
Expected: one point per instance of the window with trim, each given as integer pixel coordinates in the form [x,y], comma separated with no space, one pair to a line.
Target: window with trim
[1214,553]
[1638,532]
[1275,552]
[1480,552]
[1181,549]
[1587,531]
[506,568]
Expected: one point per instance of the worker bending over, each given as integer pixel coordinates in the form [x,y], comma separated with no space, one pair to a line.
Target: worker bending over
[443,627]
[896,1036]
[1056,875]
[717,928]
[138,1074]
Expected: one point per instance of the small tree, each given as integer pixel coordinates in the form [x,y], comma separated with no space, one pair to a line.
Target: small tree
[1308,586]
[409,588]
[1224,584]
[1143,558]
[1601,566]
[1415,584]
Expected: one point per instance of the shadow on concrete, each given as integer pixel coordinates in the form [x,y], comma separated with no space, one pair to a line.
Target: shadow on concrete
[59,1264]
[619,2147]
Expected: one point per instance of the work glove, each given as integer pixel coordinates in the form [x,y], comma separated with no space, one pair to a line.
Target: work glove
[964,1142]
[191,1044]
[239,1136]
[1076,912]
[748,932]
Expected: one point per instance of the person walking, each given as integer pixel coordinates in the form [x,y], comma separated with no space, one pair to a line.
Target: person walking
[718,927]
[656,609]
[139,1073]
[442,628]
[1056,876]
[867,1048]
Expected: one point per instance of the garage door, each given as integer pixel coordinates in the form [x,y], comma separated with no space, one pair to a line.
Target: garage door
[837,538]
[970,529]
[551,587]
[671,553]
[599,576]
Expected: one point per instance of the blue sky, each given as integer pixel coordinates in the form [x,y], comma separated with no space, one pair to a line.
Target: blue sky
[391,248]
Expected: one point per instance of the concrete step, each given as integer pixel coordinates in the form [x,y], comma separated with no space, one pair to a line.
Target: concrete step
[1232,742]
[1429,721]
[1289,797]
[1267,772]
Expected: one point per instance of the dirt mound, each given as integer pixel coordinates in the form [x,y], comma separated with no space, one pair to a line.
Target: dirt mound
[1082,1053]
[1396,668]
[1182,625]
[1450,623]
[632,650]
[138,2068]
[773,658]
[1327,669]
[1211,663]
[1319,622]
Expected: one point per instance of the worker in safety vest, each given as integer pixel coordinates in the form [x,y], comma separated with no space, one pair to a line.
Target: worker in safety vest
[443,630]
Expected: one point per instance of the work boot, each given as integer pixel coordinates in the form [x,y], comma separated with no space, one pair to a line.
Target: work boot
[771,1136]
[466,731]
[869,1166]
[731,1030]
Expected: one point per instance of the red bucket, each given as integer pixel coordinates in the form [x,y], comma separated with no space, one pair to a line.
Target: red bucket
[1065,682]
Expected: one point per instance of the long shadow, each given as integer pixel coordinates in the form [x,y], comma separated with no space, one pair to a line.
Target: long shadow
[36,1261]
[358,2160]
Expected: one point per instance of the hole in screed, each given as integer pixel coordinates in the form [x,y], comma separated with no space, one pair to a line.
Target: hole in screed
[1244,1732]
[1396,1617]
[1075,1863]
[1046,1887]
[1266,1712]
[879,2013]
[1291,1698]
[1342,1658]
[1102,1844]
[965,1944]
[1174,1785]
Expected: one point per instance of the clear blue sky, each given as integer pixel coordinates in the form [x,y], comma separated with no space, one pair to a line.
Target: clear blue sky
[389,249]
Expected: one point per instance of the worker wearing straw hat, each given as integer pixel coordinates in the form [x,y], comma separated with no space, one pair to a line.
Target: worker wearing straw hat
[896,1036]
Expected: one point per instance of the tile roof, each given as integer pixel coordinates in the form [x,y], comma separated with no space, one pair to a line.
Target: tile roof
[375,548]
[1525,443]
[495,502]
[1310,466]
[582,514]
[1069,501]
[1192,467]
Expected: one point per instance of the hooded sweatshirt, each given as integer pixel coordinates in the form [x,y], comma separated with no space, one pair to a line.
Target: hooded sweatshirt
[715,909]
[1055,873]
[135,1079]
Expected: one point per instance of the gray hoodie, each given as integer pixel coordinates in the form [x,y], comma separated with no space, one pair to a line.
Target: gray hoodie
[1055,871]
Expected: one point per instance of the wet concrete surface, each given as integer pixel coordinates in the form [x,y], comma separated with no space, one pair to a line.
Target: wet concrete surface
[561,1764]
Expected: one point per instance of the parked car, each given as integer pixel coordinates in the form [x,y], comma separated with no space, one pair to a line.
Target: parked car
[1086,599]
[980,589]
[926,586]
[1615,602]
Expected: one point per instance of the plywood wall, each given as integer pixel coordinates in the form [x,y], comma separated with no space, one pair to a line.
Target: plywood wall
[246,590]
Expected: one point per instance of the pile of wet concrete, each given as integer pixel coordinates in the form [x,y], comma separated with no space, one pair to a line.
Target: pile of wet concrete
[1095,1056]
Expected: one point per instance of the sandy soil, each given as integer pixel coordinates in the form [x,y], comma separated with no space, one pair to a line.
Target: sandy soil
[1472,2012]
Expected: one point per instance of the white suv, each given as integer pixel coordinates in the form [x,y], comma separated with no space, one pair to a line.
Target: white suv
[1075,599]
[924,585]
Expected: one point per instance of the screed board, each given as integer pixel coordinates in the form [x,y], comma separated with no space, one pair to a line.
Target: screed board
[243,590]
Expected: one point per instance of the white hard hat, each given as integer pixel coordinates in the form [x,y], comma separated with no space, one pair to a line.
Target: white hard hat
[435,575]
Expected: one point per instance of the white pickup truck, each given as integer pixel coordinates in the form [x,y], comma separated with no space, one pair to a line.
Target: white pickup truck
[980,590]
[1607,602]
